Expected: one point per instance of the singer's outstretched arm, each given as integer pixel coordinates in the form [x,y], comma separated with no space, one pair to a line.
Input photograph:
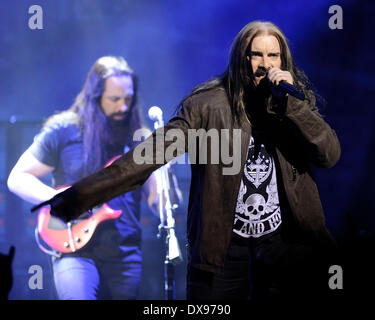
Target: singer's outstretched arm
[301,125]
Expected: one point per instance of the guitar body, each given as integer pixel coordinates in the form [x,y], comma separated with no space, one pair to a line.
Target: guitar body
[74,235]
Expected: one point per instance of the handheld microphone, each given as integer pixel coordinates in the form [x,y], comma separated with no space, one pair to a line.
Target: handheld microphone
[286,87]
[282,88]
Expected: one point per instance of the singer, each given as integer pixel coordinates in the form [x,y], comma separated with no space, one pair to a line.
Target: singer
[259,233]
[74,143]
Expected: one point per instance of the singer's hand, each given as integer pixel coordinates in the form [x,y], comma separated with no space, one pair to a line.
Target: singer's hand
[275,75]
[63,205]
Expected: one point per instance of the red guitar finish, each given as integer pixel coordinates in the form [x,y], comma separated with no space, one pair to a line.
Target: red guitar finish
[72,236]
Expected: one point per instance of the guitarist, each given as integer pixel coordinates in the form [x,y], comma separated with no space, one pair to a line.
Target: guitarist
[78,141]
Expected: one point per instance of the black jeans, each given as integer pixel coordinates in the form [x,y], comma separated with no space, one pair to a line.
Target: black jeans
[268,268]
[232,285]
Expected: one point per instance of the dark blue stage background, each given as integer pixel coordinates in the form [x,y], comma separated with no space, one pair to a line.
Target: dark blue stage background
[174,45]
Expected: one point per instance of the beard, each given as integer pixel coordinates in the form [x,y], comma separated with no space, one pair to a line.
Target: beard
[117,131]
[118,118]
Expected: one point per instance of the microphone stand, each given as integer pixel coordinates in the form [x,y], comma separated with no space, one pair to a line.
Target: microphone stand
[167,226]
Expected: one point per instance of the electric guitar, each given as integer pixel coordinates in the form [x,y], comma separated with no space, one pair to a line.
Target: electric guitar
[69,237]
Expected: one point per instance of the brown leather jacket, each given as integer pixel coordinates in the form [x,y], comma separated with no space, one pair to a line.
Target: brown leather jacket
[300,137]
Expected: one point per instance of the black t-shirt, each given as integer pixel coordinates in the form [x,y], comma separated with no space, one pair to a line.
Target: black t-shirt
[60,146]
[257,212]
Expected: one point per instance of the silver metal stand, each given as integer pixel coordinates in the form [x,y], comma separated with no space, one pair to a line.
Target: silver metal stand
[167,223]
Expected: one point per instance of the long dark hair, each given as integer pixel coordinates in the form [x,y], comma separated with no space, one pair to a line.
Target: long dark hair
[87,113]
[238,76]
